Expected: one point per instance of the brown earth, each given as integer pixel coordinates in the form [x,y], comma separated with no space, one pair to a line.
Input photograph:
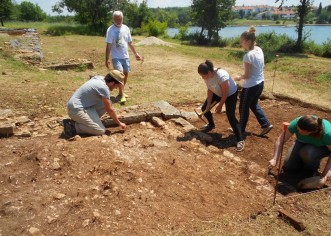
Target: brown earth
[144,181]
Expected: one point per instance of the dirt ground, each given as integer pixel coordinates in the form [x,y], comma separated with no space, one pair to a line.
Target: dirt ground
[144,181]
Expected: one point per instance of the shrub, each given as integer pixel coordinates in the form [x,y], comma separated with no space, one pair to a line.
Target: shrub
[182,32]
[234,42]
[70,29]
[312,47]
[326,49]
[154,28]
[271,42]
[197,39]
[236,54]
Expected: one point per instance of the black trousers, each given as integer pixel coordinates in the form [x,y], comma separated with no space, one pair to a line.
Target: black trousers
[230,106]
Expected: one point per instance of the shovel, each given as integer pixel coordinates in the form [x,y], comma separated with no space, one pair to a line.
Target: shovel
[205,111]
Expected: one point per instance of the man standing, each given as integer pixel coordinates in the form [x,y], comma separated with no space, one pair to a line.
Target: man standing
[118,38]
[89,103]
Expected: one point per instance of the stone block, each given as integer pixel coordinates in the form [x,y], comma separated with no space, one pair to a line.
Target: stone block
[6,129]
[4,113]
[157,122]
[168,111]
[129,118]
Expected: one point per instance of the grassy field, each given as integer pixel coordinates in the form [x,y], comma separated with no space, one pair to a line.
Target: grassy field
[303,77]
[168,73]
[261,22]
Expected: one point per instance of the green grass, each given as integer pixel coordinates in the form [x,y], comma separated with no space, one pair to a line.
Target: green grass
[170,73]
[260,22]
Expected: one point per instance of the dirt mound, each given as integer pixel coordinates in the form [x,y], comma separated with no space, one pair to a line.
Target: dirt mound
[153,41]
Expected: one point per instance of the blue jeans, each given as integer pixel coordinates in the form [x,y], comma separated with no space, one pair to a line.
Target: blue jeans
[305,157]
[230,106]
[121,64]
[249,100]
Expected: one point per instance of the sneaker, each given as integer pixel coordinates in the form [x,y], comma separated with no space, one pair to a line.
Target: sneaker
[122,100]
[230,130]
[266,130]
[207,128]
[240,146]
[124,95]
[69,129]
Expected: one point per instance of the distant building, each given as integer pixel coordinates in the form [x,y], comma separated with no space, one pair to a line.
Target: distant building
[287,14]
[265,11]
[249,10]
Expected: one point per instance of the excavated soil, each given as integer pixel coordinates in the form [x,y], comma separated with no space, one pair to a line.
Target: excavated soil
[144,181]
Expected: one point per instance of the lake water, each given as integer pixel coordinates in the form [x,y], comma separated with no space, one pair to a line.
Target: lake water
[319,34]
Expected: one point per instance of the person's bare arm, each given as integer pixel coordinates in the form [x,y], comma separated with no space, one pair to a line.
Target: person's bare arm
[278,147]
[108,46]
[209,99]
[225,91]
[326,172]
[133,49]
[111,112]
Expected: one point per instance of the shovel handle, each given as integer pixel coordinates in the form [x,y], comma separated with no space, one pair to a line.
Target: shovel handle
[211,106]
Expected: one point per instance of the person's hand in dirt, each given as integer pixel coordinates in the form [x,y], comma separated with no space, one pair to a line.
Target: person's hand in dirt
[272,163]
[122,125]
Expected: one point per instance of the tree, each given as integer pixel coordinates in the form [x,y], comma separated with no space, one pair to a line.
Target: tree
[95,13]
[303,10]
[319,10]
[241,13]
[136,15]
[30,12]
[211,15]
[6,7]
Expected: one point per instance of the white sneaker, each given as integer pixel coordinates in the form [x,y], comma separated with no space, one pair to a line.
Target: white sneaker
[240,146]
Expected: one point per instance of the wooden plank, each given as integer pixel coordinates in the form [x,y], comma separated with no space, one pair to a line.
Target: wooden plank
[295,222]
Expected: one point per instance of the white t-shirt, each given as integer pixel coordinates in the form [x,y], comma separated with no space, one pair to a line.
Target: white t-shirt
[255,58]
[119,39]
[221,76]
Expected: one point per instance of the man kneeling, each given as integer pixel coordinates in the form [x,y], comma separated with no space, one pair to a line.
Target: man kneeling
[89,103]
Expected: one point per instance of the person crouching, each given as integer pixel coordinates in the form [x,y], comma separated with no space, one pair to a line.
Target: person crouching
[91,101]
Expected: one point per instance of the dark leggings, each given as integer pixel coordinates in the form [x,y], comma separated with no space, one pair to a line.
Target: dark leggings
[249,100]
[306,157]
[230,106]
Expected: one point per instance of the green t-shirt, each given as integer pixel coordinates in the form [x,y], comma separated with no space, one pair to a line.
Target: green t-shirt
[325,140]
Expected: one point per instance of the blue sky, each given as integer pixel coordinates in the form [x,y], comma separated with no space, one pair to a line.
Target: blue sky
[46,5]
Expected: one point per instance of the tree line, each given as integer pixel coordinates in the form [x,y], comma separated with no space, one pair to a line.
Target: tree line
[210,15]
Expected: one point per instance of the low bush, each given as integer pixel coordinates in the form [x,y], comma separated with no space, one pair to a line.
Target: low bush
[154,28]
[71,29]
[326,49]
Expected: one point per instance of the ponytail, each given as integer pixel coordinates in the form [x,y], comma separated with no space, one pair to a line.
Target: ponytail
[249,34]
[205,67]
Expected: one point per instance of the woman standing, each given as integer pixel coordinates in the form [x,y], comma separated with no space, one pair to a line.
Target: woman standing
[221,89]
[253,82]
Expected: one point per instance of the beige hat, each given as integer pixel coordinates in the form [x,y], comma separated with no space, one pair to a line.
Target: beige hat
[118,75]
